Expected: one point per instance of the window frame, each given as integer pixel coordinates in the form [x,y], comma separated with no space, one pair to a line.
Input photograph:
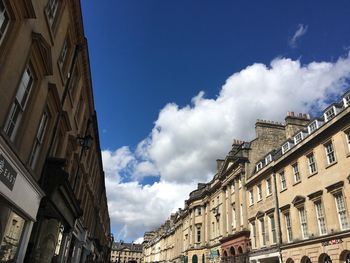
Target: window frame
[303,222]
[259,192]
[18,106]
[283,180]
[262,231]
[251,197]
[333,158]
[273,229]
[297,140]
[296,172]
[330,113]
[6,19]
[321,218]
[341,212]
[288,226]
[311,163]
[268,186]
[313,126]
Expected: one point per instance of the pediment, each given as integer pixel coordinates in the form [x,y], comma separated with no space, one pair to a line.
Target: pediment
[259,214]
[43,51]
[298,200]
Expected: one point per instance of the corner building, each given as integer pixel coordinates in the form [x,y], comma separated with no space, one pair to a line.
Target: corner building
[282,197]
[53,205]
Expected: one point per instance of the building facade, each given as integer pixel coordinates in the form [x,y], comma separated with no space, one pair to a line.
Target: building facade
[126,252]
[282,197]
[53,205]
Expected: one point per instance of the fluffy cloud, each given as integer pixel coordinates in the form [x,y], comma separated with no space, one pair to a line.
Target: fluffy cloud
[297,35]
[184,143]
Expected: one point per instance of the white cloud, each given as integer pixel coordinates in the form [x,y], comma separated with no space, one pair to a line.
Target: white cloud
[139,240]
[297,35]
[184,143]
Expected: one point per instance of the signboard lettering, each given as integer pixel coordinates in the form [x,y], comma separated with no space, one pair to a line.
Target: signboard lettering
[7,173]
[332,242]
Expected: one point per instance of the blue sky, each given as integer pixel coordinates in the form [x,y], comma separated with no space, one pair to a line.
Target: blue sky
[147,54]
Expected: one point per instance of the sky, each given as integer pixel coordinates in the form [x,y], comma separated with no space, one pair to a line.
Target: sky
[176,81]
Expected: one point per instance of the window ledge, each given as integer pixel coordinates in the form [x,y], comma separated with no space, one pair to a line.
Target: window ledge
[310,175]
[269,195]
[285,189]
[331,164]
[259,200]
[297,183]
[348,155]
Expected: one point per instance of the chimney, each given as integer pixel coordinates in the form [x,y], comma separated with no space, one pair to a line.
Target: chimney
[267,128]
[295,122]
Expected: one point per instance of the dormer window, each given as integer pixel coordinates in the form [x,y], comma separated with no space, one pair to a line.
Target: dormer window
[259,166]
[313,126]
[298,138]
[286,147]
[329,114]
[346,100]
[268,159]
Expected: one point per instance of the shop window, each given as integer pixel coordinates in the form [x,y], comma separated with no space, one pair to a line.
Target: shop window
[19,105]
[10,240]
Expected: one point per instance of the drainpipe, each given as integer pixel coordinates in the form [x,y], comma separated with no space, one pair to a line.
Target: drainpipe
[278,214]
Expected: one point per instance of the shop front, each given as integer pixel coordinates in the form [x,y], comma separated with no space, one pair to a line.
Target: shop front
[235,247]
[20,198]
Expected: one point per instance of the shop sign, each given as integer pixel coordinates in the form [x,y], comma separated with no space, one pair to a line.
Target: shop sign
[7,173]
[332,242]
[213,254]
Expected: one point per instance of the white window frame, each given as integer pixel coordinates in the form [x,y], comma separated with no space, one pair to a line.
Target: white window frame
[5,20]
[268,159]
[341,211]
[296,173]
[347,137]
[288,227]
[234,221]
[39,138]
[20,102]
[330,153]
[320,215]
[262,232]
[313,126]
[330,113]
[346,100]
[311,161]
[298,137]
[259,192]
[303,222]
[198,233]
[259,166]
[268,187]
[199,211]
[286,147]
[253,228]
[251,197]
[273,228]
[283,180]
[64,52]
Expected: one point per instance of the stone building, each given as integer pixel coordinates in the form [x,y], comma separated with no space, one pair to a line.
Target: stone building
[282,197]
[53,204]
[126,252]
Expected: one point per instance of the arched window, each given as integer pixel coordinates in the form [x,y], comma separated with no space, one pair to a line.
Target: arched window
[289,260]
[232,251]
[305,259]
[225,254]
[345,256]
[324,258]
[240,250]
[203,258]
[194,259]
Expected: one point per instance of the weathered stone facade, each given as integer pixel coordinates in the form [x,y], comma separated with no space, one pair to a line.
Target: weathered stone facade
[282,197]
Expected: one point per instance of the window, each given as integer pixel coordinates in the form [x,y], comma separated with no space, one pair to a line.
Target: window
[253,229]
[268,159]
[240,182]
[298,138]
[329,114]
[64,51]
[348,138]
[283,181]
[273,229]
[268,186]
[285,147]
[213,229]
[343,220]
[199,211]
[262,232]
[241,213]
[296,172]
[288,227]
[320,218]
[312,163]
[233,188]
[346,100]
[303,222]
[234,222]
[51,11]
[218,227]
[4,20]
[313,126]
[251,197]
[19,104]
[198,234]
[259,192]
[39,139]
[329,152]
[259,166]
